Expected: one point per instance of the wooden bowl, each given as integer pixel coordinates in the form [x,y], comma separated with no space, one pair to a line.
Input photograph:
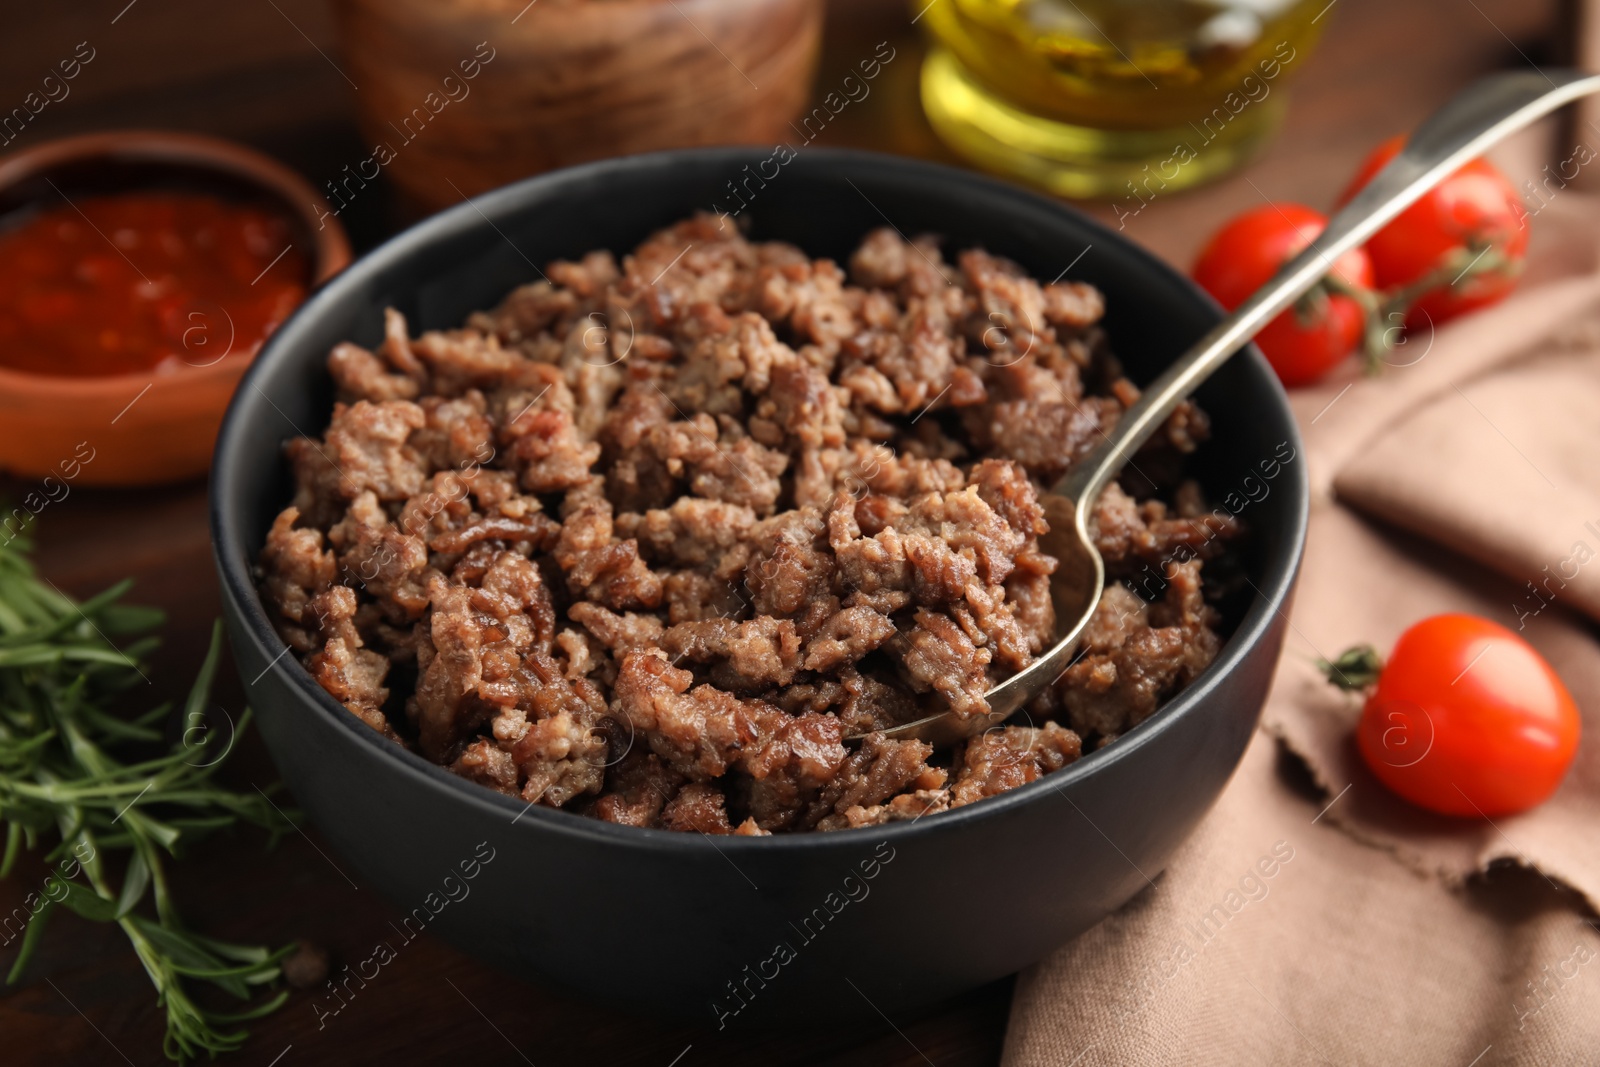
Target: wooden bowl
[459,97]
[144,428]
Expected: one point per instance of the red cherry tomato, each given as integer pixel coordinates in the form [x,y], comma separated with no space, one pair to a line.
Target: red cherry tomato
[1248,251]
[1467,719]
[1477,207]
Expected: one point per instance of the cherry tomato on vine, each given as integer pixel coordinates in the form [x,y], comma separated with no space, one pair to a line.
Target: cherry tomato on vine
[1465,719]
[1309,339]
[1471,227]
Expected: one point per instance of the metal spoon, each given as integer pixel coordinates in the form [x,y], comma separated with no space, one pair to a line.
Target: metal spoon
[1475,119]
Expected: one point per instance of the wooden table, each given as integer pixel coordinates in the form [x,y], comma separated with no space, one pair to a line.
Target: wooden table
[252,70]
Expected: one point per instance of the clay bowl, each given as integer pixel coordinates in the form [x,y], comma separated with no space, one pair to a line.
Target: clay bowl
[140,429]
[725,931]
[459,97]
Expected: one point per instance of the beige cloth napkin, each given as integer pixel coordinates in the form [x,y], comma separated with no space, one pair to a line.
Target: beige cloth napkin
[1447,484]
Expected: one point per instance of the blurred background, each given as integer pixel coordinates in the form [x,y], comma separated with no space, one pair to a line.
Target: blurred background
[277,75]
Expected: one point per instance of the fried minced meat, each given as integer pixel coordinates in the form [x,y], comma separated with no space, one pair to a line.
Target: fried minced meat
[655,539]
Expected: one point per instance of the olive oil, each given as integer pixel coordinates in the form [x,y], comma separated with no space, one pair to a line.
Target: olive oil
[1096,97]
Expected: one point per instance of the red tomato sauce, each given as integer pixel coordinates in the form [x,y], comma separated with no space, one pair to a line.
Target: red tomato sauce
[144,282]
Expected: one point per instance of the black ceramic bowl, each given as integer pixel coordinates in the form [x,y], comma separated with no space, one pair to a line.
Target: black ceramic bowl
[738,928]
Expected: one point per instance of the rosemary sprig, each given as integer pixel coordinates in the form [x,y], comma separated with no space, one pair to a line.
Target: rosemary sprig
[85,782]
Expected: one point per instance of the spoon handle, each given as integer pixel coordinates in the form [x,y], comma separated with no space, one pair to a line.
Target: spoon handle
[1482,115]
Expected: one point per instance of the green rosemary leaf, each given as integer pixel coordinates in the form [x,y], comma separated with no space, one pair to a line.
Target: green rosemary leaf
[30,941]
[166,836]
[36,655]
[254,1013]
[68,619]
[68,785]
[196,704]
[85,901]
[186,956]
[13,846]
[113,727]
[138,650]
[122,619]
[254,955]
[11,621]
[134,882]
